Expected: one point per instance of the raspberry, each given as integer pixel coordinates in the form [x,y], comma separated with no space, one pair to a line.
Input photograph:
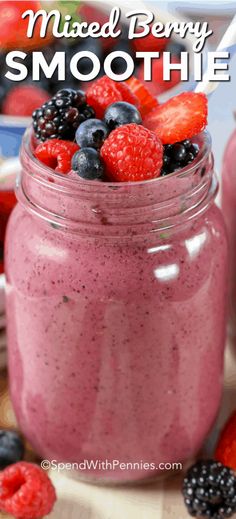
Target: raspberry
[157,85]
[56,154]
[226,448]
[180,118]
[132,152]
[104,92]
[146,100]
[26,491]
[23,100]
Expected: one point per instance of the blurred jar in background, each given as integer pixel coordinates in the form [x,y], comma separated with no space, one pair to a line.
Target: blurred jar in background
[10,139]
[229,211]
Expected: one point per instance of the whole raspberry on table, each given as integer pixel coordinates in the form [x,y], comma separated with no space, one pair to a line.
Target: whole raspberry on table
[56,154]
[104,91]
[226,447]
[23,100]
[209,490]
[26,491]
[132,153]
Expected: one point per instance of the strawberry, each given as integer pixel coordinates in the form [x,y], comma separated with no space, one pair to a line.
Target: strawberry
[23,100]
[146,100]
[182,117]
[104,91]
[149,43]
[56,154]
[226,448]
[13,29]
[157,85]
[132,153]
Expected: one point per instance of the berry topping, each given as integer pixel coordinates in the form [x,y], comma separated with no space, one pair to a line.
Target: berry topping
[121,113]
[157,85]
[56,154]
[11,448]
[60,117]
[104,92]
[92,133]
[132,153]
[88,164]
[226,448]
[23,100]
[209,490]
[26,491]
[141,91]
[178,156]
[180,118]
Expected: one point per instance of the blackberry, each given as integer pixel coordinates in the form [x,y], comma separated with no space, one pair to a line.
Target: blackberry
[209,490]
[178,155]
[60,117]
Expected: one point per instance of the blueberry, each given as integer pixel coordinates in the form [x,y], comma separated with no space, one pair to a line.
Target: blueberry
[121,113]
[87,164]
[91,134]
[11,448]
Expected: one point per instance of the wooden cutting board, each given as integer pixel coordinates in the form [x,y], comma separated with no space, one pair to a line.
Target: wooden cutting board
[160,500]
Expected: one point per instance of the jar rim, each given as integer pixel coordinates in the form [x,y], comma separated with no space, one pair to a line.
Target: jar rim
[48,175]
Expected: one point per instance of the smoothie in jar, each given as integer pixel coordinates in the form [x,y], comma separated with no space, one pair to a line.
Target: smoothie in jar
[116,298]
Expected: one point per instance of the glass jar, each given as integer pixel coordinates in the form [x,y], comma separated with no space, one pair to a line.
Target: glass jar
[229,209]
[116,316]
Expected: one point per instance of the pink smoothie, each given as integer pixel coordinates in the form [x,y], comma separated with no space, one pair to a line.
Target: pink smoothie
[116,342]
[229,210]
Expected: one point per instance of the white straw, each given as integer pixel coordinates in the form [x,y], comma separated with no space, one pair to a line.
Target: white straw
[227,44]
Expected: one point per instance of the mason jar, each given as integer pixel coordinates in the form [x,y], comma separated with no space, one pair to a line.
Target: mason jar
[116,298]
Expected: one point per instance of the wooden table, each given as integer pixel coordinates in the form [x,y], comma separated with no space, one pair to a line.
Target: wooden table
[161,500]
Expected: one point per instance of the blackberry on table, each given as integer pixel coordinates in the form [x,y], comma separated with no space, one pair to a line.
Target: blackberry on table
[209,490]
[60,117]
[178,155]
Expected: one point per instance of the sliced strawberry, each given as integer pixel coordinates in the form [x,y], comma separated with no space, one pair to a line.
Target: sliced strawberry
[180,118]
[127,95]
[141,91]
[157,85]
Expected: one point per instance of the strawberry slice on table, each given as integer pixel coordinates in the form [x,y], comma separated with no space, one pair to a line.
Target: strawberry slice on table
[226,447]
[180,118]
[141,91]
